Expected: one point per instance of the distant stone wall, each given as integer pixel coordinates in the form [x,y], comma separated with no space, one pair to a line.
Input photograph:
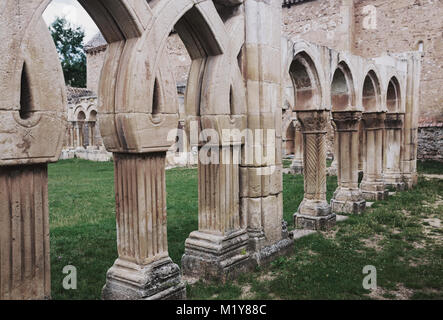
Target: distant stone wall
[95,61]
[430,143]
[315,21]
[401,25]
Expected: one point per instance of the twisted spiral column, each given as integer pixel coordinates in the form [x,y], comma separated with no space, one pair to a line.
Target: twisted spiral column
[314,211]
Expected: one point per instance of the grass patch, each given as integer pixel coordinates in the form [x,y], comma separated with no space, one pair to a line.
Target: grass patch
[430,167]
[399,236]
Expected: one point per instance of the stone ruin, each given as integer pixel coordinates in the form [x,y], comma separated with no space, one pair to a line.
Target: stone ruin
[236,82]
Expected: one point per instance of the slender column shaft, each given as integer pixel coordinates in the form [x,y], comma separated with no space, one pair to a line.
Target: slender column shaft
[297,164]
[393,142]
[348,197]
[219,197]
[24,233]
[314,212]
[410,128]
[91,126]
[218,248]
[143,261]
[372,186]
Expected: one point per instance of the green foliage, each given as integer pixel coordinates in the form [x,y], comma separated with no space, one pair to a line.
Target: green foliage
[430,167]
[68,40]
[394,235]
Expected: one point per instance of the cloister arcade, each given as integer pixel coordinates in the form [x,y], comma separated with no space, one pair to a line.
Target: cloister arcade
[235,82]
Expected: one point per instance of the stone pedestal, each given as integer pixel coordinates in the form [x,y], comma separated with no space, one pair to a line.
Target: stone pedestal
[219,248]
[297,163]
[143,269]
[392,161]
[24,233]
[348,197]
[314,211]
[372,186]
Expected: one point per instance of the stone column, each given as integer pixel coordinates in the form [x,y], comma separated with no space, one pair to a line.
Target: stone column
[219,248]
[76,142]
[361,148]
[410,129]
[348,197]
[91,126]
[314,211]
[297,164]
[261,179]
[372,186]
[333,170]
[143,269]
[71,135]
[392,160]
[79,127]
[24,233]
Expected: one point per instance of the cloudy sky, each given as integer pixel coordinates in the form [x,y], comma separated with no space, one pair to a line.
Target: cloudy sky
[74,13]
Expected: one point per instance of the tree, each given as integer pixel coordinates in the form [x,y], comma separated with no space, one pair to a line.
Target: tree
[68,40]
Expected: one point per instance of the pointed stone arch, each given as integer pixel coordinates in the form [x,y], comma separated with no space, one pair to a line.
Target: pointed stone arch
[342,88]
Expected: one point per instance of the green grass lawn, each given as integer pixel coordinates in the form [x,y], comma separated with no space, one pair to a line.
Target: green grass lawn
[397,236]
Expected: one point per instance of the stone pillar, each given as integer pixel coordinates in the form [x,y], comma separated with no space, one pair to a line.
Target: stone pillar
[410,130]
[76,142]
[218,250]
[348,197]
[261,179]
[314,211]
[392,160]
[297,164]
[372,186]
[143,269]
[79,129]
[91,126]
[333,170]
[361,148]
[24,233]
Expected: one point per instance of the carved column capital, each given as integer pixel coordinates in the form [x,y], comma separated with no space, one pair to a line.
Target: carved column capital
[374,120]
[347,121]
[394,120]
[313,121]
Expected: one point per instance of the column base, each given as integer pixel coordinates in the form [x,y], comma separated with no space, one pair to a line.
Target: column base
[410,180]
[307,222]
[348,201]
[314,208]
[297,167]
[314,215]
[217,257]
[159,280]
[263,253]
[394,181]
[373,191]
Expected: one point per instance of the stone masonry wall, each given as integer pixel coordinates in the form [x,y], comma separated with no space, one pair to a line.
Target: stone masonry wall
[315,21]
[430,143]
[94,68]
[401,25]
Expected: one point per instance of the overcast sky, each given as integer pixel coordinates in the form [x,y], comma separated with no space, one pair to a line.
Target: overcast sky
[74,13]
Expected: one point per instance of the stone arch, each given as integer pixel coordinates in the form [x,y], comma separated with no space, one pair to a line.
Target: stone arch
[342,88]
[118,20]
[290,139]
[307,87]
[371,92]
[81,116]
[80,108]
[393,95]
[92,115]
